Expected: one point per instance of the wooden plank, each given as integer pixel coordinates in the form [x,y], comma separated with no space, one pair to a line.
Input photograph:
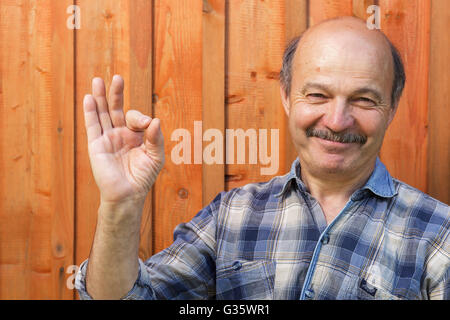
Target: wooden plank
[178,103]
[360,8]
[320,10]
[296,15]
[439,103]
[140,85]
[256,41]
[115,38]
[37,151]
[404,151]
[213,91]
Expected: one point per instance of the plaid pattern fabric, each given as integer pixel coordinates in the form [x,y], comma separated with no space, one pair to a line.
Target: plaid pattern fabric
[271,241]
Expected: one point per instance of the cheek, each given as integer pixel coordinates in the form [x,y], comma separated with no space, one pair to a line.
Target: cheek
[303,116]
[373,124]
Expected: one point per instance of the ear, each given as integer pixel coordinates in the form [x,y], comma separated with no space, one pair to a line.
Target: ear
[284,100]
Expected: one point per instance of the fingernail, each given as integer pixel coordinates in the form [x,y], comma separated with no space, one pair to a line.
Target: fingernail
[97,80]
[145,119]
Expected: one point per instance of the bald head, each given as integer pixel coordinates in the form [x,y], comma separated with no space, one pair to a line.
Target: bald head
[346,24]
[341,43]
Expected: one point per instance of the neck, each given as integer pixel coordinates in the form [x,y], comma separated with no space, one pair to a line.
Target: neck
[335,187]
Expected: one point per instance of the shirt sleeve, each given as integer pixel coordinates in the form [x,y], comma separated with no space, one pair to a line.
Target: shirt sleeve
[139,291]
[442,290]
[185,270]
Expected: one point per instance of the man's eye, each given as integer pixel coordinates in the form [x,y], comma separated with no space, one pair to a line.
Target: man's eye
[364,102]
[316,97]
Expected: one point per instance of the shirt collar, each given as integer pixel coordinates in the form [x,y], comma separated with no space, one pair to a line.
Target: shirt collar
[293,174]
[379,183]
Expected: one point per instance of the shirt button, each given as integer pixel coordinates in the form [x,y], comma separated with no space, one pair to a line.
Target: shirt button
[309,294]
[325,239]
[237,265]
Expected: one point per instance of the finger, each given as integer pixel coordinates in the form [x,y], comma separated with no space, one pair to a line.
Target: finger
[91,121]
[115,101]
[153,134]
[99,93]
[137,121]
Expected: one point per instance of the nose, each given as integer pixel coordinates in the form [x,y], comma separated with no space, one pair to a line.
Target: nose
[338,115]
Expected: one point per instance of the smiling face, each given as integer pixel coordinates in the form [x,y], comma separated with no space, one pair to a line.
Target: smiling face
[339,105]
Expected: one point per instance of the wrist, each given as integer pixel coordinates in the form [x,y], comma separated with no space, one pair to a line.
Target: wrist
[121,213]
[122,204]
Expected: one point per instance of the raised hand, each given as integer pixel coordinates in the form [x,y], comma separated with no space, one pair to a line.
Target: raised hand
[126,153]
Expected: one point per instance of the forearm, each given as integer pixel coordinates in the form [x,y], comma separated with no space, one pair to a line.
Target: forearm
[113,263]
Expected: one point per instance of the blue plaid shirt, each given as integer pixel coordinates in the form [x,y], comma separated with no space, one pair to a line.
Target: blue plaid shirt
[271,241]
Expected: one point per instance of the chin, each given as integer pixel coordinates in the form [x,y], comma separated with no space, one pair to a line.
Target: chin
[332,167]
[333,164]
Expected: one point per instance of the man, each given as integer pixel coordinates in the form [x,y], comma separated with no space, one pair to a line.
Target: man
[337,226]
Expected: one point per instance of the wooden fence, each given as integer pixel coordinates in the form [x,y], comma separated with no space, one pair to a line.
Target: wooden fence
[184,61]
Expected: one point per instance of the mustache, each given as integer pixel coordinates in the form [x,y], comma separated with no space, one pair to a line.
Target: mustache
[342,137]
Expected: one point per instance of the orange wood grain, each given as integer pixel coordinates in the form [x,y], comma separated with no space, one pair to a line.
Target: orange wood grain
[359,8]
[140,86]
[178,103]
[256,41]
[439,103]
[36,148]
[183,61]
[213,91]
[404,151]
[326,9]
[115,38]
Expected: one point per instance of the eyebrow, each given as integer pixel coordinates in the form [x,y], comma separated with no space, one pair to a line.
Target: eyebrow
[363,90]
[374,92]
[313,85]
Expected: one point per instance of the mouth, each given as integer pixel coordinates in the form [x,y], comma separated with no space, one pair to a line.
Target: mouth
[334,146]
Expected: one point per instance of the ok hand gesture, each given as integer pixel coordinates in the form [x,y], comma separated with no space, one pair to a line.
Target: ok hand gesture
[126,152]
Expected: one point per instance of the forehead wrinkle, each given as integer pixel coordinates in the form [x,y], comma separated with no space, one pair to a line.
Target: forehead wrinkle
[331,46]
[326,57]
